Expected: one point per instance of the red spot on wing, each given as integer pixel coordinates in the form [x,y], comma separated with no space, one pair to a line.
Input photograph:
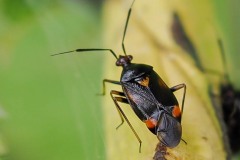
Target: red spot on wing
[151,123]
[176,112]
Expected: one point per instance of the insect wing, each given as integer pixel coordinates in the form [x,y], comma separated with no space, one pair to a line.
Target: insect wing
[141,99]
[169,130]
[161,91]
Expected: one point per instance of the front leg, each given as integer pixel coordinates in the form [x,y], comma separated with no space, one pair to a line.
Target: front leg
[123,99]
[108,81]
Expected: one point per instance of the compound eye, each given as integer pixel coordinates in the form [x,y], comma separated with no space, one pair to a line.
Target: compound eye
[130,57]
[144,81]
[118,63]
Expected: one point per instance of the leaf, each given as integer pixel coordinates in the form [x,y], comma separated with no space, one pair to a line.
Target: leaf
[149,40]
[53,112]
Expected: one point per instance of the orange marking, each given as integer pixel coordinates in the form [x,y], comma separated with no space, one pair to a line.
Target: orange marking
[151,123]
[144,82]
[176,111]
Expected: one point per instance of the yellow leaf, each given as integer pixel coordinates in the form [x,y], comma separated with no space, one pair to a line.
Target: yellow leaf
[149,40]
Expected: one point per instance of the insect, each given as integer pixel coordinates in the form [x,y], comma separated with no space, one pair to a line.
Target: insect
[150,98]
[229,96]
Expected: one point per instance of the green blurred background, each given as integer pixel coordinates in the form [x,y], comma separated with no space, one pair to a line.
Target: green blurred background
[48,105]
[227,14]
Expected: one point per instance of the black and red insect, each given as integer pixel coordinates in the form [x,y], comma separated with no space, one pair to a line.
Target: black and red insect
[150,98]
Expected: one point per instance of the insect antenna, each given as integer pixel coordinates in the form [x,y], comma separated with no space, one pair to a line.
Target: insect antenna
[88,50]
[125,28]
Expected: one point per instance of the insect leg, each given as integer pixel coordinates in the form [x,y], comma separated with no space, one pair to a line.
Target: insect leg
[122,114]
[125,29]
[119,99]
[177,87]
[109,81]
